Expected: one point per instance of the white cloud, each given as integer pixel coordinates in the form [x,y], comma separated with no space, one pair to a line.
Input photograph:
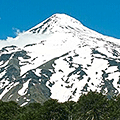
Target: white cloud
[17,31]
[6,42]
[11,40]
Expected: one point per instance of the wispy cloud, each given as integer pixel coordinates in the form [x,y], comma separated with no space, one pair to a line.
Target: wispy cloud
[17,31]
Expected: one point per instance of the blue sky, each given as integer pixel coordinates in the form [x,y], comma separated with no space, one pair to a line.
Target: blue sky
[100,15]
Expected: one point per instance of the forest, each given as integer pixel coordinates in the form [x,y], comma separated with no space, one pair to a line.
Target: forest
[90,106]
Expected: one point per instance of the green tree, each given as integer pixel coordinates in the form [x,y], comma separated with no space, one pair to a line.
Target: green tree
[31,112]
[92,106]
[54,110]
[8,110]
[114,108]
[70,109]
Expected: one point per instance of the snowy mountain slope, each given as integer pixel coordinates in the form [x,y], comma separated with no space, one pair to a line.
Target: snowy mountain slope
[59,58]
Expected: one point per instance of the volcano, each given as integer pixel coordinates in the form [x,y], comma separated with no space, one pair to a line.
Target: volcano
[60,59]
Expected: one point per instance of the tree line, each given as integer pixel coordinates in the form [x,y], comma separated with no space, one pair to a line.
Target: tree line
[90,106]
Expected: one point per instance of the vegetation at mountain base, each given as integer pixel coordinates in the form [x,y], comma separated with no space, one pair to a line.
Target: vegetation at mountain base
[90,106]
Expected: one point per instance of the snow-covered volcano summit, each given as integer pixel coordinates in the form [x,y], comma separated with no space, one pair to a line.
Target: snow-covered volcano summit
[61,23]
[60,59]
[57,23]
